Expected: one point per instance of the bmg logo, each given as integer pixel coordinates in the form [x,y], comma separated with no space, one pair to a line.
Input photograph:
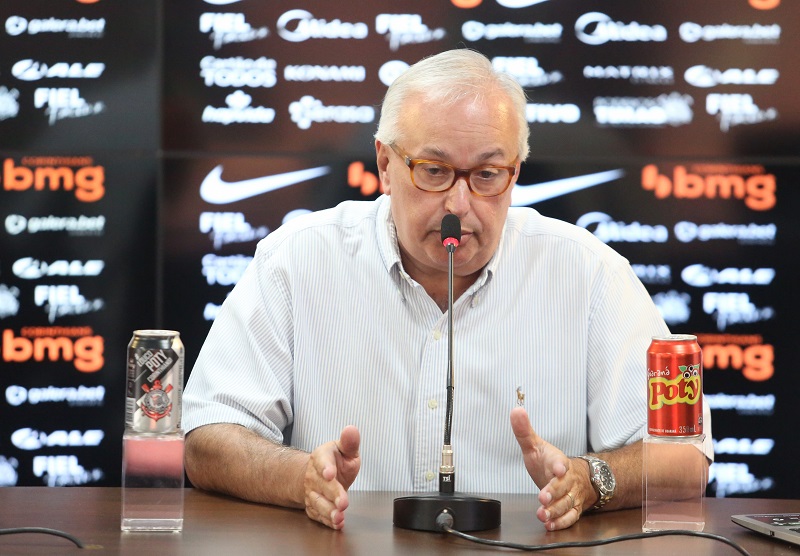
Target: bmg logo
[85,350]
[87,182]
[757,190]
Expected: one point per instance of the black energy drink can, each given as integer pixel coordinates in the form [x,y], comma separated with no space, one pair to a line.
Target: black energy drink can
[155,382]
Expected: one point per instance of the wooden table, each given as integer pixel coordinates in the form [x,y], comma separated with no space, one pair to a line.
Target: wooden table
[223,526]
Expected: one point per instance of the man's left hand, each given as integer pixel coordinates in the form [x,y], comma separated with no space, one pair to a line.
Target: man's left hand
[564,488]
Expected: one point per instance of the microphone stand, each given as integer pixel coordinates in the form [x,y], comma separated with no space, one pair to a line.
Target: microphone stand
[447,471]
[430,512]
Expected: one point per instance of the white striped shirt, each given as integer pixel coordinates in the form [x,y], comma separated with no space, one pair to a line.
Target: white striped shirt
[326,329]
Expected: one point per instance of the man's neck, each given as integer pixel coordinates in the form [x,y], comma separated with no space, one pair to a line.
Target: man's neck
[437,288]
[434,282]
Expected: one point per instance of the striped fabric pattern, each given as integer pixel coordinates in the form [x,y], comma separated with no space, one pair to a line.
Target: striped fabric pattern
[325,329]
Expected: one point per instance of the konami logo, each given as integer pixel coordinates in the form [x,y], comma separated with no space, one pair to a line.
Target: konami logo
[712,181]
[746,353]
[53,173]
[57,343]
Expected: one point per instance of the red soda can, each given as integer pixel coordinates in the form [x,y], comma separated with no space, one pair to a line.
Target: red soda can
[675,386]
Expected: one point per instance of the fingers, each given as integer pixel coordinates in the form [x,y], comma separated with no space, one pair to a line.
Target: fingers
[562,500]
[542,460]
[320,508]
[330,471]
[559,511]
[325,498]
[348,460]
[561,495]
[553,522]
[523,431]
[349,442]
[323,460]
[571,501]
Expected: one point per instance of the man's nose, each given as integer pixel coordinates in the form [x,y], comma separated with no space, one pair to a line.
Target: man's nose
[458,197]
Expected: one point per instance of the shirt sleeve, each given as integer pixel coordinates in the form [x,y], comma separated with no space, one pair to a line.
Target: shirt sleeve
[243,374]
[622,321]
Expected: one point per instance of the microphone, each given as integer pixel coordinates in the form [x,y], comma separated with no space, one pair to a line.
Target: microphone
[434,512]
[451,237]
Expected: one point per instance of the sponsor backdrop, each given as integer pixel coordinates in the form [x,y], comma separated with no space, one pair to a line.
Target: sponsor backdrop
[146,149]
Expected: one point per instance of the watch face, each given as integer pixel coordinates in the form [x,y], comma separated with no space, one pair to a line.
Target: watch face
[607,481]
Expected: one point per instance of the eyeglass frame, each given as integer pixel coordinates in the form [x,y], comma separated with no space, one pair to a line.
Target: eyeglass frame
[457,172]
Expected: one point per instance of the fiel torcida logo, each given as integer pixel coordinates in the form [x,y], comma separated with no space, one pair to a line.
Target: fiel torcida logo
[749,183]
[78,175]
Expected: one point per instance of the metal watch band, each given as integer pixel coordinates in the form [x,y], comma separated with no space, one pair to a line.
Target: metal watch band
[596,469]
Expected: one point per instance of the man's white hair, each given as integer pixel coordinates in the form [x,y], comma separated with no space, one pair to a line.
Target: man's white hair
[446,78]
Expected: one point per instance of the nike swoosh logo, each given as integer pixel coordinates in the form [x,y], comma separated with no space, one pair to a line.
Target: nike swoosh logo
[519,3]
[524,195]
[216,191]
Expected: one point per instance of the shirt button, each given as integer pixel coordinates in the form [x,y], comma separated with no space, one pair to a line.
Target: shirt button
[437,334]
[430,475]
[433,404]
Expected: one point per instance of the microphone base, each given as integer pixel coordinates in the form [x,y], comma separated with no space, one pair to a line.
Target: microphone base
[469,513]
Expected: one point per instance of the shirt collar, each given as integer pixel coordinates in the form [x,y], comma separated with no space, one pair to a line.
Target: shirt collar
[387,234]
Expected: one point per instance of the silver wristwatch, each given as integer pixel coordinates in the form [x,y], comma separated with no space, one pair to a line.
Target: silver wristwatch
[603,480]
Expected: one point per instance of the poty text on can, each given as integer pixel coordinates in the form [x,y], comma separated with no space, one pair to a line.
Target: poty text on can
[675,386]
[155,382]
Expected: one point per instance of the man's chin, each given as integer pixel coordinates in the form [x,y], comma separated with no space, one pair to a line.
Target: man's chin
[467,264]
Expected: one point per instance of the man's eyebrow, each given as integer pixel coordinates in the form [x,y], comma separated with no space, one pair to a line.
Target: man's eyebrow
[435,153]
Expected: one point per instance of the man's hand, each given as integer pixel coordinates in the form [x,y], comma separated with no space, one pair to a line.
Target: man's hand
[564,488]
[330,471]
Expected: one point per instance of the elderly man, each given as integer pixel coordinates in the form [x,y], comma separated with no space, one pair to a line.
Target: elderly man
[326,367]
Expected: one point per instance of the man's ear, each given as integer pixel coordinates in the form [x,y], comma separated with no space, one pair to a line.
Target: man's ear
[382,152]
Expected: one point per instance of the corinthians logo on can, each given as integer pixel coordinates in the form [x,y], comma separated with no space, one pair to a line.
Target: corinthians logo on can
[156,403]
[155,382]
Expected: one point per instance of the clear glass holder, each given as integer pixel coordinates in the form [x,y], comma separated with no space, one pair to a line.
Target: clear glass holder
[152,481]
[672,504]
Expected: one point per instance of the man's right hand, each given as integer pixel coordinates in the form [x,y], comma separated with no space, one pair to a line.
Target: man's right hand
[330,471]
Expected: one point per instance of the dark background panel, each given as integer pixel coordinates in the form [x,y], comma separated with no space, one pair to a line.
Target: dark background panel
[496,31]
[170,257]
[98,283]
[81,107]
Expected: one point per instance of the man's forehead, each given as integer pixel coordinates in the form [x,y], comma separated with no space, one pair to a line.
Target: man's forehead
[434,129]
[443,153]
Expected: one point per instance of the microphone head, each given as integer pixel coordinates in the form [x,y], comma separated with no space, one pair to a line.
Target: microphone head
[451,229]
